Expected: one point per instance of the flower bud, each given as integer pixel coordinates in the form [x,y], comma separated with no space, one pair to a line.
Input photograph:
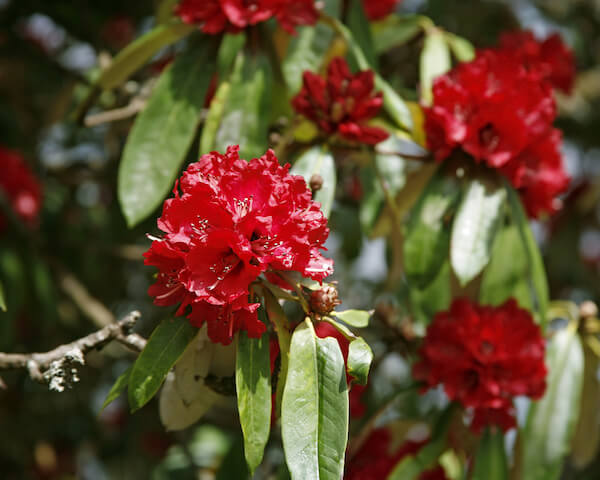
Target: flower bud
[324,300]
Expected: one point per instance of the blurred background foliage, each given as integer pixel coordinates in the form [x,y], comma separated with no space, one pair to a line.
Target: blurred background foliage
[83,267]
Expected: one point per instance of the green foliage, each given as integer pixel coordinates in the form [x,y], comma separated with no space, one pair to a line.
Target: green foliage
[2,299]
[319,161]
[360,357]
[118,388]
[435,61]
[358,23]
[490,459]
[354,318]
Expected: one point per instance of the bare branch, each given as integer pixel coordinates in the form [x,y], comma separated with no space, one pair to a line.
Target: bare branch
[58,367]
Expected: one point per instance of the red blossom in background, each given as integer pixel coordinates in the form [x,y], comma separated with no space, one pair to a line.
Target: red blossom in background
[342,103]
[378,9]
[551,58]
[484,356]
[501,114]
[216,16]
[232,221]
[20,187]
[376,460]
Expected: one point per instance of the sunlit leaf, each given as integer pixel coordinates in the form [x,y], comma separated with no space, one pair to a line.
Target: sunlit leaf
[394,31]
[360,357]
[354,318]
[462,49]
[318,160]
[435,61]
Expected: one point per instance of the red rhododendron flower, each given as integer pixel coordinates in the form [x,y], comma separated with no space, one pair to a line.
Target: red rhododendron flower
[551,58]
[217,16]
[484,356]
[502,417]
[342,103]
[501,114]
[20,187]
[376,460]
[232,221]
[378,9]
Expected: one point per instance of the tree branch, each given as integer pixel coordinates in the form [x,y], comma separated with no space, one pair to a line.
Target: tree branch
[58,367]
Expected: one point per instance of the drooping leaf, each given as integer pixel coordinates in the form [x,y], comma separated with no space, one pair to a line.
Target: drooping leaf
[537,272]
[427,235]
[504,279]
[318,160]
[253,386]
[354,318]
[360,357]
[243,120]
[315,407]
[118,388]
[166,344]
[462,49]
[394,31]
[547,436]
[435,61]
[490,460]
[474,229]
[358,23]
[213,118]
[162,133]
[2,299]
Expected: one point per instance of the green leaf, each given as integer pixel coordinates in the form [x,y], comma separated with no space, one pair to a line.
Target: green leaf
[2,299]
[315,407]
[213,118]
[537,272]
[167,343]
[435,61]
[462,49]
[137,53]
[411,466]
[360,357]
[118,388]
[433,298]
[395,31]
[474,229]
[162,133]
[358,23]
[233,465]
[253,386]
[551,421]
[354,318]
[490,460]
[244,121]
[504,279]
[318,160]
[228,51]
[307,49]
[427,236]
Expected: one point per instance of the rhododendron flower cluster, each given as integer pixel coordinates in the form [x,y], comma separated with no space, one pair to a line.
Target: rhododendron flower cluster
[484,357]
[20,187]
[500,112]
[378,9]
[342,103]
[376,460]
[232,221]
[216,16]
[550,58]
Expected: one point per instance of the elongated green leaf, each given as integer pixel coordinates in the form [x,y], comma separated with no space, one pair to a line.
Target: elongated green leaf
[474,229]
[315,407]
[394,31]
[504,279]
[427,236]
[167,343]
[118,388]
[307,49]
[551,421]
[354,318]
[244,121]
[233,465]
[433,298]
[318,160]
[2,299]
[136,54]
[213,118]
[360,357]
[230,46]
[411,466]
[462,49]
[162,133]
[253,386]
[435,61]
[358,23]
[537,272]
[490,460]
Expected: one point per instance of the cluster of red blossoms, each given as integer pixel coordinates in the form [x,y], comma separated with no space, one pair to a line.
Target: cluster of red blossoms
[216,16]
[20,188]
[484,356]
[378,9]
[375,460]
[232,221]
[499,109]
[342,103]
